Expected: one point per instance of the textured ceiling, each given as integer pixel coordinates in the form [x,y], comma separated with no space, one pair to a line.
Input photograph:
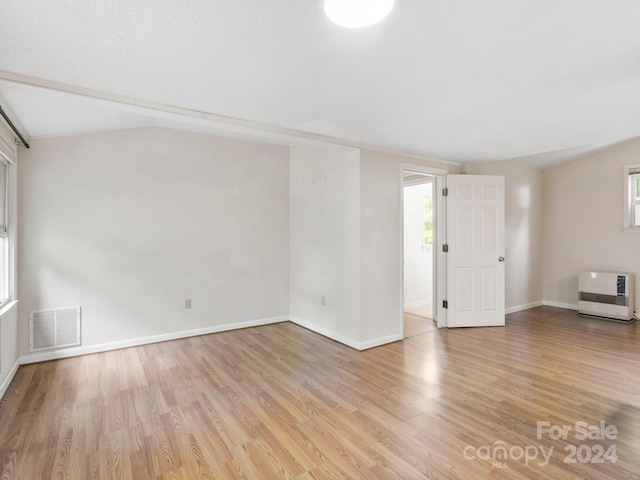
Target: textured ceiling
[540,81]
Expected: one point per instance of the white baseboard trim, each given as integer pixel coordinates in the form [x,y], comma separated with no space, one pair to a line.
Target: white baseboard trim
[134,342]
[416,303]
[325,332]
[568,306]
[526,306]
[376,342]
[344,340]
[9,377]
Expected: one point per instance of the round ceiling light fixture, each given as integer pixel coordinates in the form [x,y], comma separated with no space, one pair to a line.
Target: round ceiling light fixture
[357,13]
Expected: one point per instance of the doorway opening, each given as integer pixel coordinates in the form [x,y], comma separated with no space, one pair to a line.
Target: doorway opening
[422,238]
[419,259]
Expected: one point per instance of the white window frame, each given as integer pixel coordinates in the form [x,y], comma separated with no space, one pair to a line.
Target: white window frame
[4,233]
[8,154]
[629,198]
[7,234]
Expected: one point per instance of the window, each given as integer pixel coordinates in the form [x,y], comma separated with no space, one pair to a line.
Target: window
[632,197]
[4,231]
[8,157]
[635,199]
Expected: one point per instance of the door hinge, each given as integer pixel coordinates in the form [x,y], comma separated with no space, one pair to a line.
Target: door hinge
[445,304]
[445,248]
[445,192]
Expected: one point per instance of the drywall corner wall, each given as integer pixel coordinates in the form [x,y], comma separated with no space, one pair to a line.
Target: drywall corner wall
[345,242]
[583,204]
[129,224]
[324,240]
[523,230]
[380,244]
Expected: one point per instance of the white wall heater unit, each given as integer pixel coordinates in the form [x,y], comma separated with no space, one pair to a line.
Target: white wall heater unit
[606,294]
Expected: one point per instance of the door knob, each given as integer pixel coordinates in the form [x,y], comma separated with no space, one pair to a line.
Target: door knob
[501,259]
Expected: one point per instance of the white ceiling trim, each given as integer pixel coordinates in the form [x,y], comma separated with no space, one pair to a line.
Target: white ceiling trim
[172,116]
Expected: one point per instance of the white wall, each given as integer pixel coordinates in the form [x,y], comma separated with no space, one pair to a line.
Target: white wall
[380,301]
[324,240]
[418,262]
[129,224]
[583,207]
[523,231]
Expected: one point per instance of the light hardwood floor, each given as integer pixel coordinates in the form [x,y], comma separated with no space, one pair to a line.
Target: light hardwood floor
[424,310]
[282,402]
[417,325]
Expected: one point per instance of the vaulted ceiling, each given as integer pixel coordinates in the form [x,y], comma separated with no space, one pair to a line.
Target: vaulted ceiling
[538,81]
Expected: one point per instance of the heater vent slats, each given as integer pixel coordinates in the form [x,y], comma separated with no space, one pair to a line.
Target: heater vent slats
[602,298]
[54,328]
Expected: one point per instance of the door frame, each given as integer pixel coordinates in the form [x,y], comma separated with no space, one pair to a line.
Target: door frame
[439,267]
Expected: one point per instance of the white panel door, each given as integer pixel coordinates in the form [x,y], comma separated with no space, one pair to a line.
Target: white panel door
[475,261]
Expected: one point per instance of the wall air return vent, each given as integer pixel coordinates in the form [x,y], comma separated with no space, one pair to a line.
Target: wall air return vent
[54,328]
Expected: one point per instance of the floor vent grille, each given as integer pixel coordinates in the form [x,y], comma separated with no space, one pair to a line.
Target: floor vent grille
[56,328]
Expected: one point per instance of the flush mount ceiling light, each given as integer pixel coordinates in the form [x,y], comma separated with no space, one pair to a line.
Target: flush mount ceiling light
[357,13]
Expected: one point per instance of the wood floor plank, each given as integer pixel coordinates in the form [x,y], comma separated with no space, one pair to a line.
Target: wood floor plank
[280,401]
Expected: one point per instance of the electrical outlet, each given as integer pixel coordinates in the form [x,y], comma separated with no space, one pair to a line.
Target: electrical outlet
[187,303]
